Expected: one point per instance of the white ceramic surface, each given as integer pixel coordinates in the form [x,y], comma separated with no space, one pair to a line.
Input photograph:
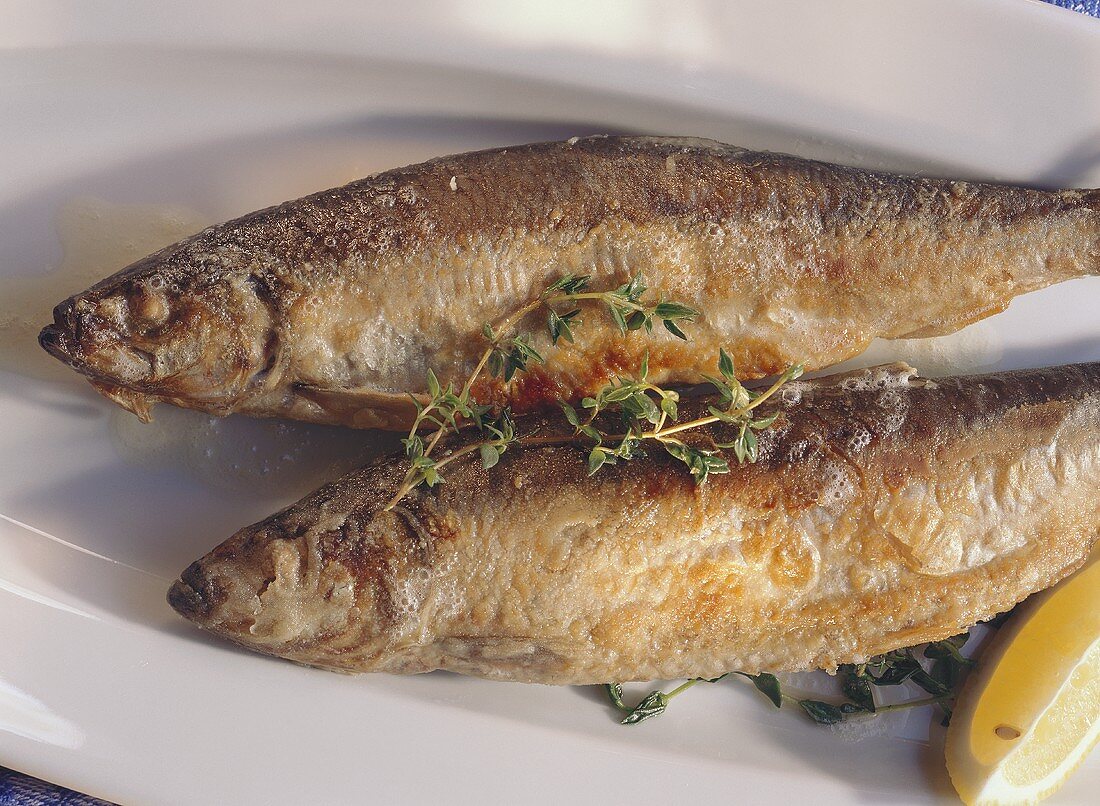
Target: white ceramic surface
[223,108]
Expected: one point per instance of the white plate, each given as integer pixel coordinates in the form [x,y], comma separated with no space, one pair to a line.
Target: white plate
[222,111]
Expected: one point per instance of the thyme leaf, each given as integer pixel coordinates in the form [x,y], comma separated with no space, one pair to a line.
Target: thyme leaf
[823,713]
[490,455]
[569,284]
[615,694]
[653,705]
[856,685]
[768,685]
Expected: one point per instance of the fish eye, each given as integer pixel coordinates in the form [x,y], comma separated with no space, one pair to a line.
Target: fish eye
[149,306]
[111,309]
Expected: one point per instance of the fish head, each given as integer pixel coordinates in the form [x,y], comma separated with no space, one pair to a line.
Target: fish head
[140,337]
[349,597]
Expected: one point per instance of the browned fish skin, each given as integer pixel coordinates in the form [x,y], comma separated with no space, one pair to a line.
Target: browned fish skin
[885,510]
[330,308]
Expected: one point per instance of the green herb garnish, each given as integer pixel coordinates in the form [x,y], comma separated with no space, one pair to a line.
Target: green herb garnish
[858,682]
[648,412]
[653,704]
[508,352]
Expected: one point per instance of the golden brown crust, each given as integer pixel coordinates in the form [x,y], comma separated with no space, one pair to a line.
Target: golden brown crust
[884,510]
[357,291]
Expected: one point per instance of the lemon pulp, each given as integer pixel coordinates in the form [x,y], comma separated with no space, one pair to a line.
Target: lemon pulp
[1032,711]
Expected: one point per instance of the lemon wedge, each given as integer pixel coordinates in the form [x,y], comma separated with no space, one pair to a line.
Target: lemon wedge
[1031,712]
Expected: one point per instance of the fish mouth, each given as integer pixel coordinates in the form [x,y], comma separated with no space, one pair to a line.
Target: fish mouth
[56,342]
[129,367]
[61,337]
[194,595]
[94,349]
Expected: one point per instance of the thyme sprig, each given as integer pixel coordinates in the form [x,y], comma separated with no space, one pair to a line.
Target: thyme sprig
[653,704]
[941,681]
[646,410]
[510,351]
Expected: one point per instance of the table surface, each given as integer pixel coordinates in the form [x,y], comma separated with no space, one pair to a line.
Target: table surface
[17,789]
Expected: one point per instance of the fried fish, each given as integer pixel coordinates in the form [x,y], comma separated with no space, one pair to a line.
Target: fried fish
[331,308]
[885,510]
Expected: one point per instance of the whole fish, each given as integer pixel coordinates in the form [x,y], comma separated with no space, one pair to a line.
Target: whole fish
[884,511]
[333,307]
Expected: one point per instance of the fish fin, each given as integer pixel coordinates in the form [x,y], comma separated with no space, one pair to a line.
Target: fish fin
[138,403]
[505,657]
[955,325]
[363,408]
[892,373]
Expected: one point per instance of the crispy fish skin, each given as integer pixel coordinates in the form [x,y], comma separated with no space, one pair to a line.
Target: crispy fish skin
[885,510]
[332,307]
